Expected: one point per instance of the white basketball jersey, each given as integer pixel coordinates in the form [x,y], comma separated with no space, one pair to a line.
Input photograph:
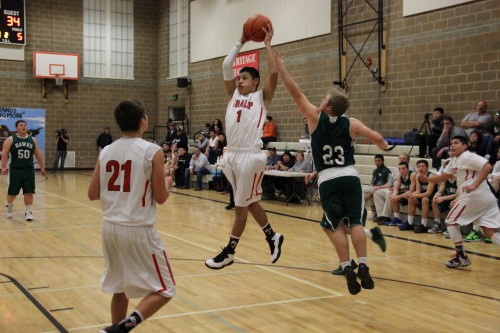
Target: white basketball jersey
[126,189]
[245,117]
[466,168]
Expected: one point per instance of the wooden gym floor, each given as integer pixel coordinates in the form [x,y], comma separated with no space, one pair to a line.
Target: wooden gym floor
[50,270]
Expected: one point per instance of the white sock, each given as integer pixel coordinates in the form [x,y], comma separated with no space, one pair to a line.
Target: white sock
[438,221]
[368,233]
[424,222]
[27,208]
[475,227]
[397,215]
[496,238]
[363,260]
[410,219]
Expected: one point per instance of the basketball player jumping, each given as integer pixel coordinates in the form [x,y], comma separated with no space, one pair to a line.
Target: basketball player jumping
[129,180]
[244,163]
[332,144]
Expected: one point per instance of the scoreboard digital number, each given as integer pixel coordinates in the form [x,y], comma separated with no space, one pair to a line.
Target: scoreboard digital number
[12,23]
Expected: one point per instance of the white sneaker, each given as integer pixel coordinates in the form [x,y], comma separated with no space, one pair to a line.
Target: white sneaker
[8,211]
[223,259]
[28,216]
[275,246]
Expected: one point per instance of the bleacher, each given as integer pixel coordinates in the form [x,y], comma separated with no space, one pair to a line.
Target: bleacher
[364,157]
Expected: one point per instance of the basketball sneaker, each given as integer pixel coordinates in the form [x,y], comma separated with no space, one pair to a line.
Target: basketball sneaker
[364,276]
[436,228]
[405,226]
[394,222]
[28,216]
[8,211]
[112,329]
[458,260]
[275,246]
[351,278]
[473,236]
[223,259]
[378,238]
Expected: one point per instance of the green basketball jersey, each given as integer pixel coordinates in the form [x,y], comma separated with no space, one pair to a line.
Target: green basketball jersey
[21,152]
[331,143]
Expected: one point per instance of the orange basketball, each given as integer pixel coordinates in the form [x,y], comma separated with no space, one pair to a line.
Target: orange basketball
[253,27]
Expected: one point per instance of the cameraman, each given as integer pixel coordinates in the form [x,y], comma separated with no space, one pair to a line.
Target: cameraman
[62,142]
[428,141]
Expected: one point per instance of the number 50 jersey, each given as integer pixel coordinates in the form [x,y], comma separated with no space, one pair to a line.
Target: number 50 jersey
[331,143]
[125,180]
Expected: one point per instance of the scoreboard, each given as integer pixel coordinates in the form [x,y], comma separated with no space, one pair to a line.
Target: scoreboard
[12,23]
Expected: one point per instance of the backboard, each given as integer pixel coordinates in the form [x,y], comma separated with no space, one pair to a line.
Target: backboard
[51,65]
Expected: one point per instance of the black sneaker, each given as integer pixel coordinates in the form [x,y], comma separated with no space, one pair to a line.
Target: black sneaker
[364,276]
[112,329]
[458,260]
[351,278]
[275,246]
[223,259]
[230,206]
[378,238]
[420,229]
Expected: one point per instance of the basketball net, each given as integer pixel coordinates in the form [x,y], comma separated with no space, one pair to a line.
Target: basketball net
[59,80]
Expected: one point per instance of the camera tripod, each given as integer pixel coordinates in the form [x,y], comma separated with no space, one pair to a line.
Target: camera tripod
[426,128]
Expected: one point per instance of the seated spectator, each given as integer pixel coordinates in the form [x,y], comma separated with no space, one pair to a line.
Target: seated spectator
[403,188]
[270,133]
[173,165]
[206,130]
[172,132]
[476,143]
[182,164]
[272,159]
[222,144]
[181,140]
[428,142]
[382,197]
[287,161]
[213,145]
[198,166]
[494,143]
[297,185]
[480,120]
[152,140]
[442,201]
[305,133]
[216,127]
[422,198]
[170,161]
[380,180]
[443,144]
[202,142]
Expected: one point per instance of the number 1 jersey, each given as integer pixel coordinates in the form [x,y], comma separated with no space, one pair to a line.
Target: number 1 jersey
[245,117]
[125,180]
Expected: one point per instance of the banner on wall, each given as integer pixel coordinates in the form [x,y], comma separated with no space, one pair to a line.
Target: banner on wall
[35,118]
[247,59]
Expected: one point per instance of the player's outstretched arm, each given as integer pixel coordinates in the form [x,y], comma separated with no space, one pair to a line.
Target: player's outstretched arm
[227,66]
[357,127]
[307,109]
[158,180]
[94,191]
[272,79]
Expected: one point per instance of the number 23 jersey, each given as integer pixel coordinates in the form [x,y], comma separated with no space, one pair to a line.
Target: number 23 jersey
[331,143]
[125,180]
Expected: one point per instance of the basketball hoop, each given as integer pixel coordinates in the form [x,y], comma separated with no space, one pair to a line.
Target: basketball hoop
[59,80]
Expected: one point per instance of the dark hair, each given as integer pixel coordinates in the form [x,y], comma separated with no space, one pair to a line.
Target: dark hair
[449,118]
[439,109]
[21,121]
[254,73]
[404,163]
[269,118]
[423,161]
[462,139]
[480,137]
[379,156]
[128,114]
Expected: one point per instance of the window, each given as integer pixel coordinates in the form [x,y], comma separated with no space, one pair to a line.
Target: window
[178,50]
[108,30]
